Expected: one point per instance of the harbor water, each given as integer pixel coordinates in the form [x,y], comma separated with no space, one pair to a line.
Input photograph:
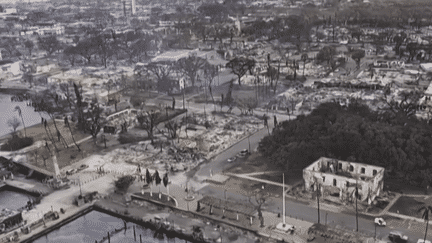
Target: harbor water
[94,226]
[13,200]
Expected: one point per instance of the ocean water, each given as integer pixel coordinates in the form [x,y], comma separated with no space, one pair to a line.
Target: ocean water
[94,226]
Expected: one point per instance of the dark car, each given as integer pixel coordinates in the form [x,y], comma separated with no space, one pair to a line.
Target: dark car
[397,237]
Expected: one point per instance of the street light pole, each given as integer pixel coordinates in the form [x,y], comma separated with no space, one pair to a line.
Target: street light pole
[79,179]
[318,194]
[356,194]
[183,99]
[375,233]
[249,144]
[205,103]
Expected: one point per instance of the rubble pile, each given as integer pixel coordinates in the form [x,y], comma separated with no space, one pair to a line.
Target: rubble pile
[223,133]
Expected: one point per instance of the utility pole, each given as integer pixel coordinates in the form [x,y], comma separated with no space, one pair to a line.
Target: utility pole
[283,199]
[356,194]
[205,103]
[375,233]
[318,195]
[79,180]
[218,75]
[249,144]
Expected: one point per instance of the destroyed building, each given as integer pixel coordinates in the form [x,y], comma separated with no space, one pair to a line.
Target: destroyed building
[338,180]
[9,218]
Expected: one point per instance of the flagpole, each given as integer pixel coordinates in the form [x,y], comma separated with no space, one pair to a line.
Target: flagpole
[283,197]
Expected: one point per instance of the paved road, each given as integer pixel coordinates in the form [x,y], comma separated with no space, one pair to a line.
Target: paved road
[309,212]
[306,212]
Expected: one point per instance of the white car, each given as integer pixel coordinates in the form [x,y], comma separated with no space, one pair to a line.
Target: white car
[380,222]
[243,153]
[230,160]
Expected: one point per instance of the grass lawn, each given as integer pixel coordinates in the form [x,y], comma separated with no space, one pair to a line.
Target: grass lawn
[291,177]
[65,157]
[257,163]
[38,132]
[410,205]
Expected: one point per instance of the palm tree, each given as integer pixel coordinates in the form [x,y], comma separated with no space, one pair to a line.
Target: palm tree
[66,121]
[426,210]
[304,58]
[17,108]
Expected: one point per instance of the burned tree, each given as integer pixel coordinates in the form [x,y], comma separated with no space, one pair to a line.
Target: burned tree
[93,120]
[190,66]
[239,66]
[79,107]
[162,71]
[210,72]
[148,121]
[258,199]
[172,127]
[405,104]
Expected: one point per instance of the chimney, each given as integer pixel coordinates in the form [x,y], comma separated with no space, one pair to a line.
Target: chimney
[133,7]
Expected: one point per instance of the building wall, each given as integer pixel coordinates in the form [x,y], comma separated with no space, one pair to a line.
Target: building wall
[13,68]
[45,68]
[369,179]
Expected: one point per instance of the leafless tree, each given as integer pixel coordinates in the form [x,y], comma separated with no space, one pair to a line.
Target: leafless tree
[18,109]
[66,121]
[404,104]
[94,120]
[172,126]
[65,89]
[247,105]
[190,67]
[148,121]
[210,72]
[162,71]
[259,199]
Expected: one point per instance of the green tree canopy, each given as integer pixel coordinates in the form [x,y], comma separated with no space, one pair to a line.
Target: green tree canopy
[355,133]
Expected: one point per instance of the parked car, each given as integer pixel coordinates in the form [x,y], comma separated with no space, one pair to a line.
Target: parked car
[243,153]
[397,237]
[230,160]
[71,171]
[380,222]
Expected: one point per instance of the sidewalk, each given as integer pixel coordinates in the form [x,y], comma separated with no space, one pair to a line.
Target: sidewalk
[62,199]
[270,219]
[300,233]
[246,176]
